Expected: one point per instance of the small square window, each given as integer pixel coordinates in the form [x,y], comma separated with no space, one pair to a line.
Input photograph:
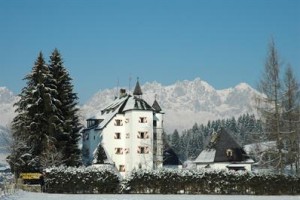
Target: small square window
[118,122]
[117,136]
[121,168]
[143,120]
[118,150]
[143,150]
[142,135]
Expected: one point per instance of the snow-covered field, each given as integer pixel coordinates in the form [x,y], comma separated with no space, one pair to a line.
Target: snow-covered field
[44,196]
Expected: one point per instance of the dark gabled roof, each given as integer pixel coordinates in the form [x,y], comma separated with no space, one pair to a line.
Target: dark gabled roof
[120,105]
[137,90]
[170,157]
[156,106]
[218,147]
[224,142]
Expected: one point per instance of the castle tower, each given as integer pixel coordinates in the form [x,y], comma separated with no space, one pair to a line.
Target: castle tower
[158,130]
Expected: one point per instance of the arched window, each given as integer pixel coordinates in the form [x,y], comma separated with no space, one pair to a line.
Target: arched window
[229,152]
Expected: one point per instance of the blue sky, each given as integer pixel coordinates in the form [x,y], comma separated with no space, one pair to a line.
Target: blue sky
[224,42]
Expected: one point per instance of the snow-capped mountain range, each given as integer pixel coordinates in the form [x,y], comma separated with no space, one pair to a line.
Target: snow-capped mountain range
[185,102]
[7,100]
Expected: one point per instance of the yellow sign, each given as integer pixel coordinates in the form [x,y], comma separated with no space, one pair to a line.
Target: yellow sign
[28,176]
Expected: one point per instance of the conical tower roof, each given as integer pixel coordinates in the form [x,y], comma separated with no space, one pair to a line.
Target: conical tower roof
[156,106]
[137,90]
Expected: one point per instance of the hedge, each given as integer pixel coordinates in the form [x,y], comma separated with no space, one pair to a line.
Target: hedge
[168,181]
[82,180]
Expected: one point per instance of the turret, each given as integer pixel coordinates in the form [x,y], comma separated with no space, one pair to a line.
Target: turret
[137,90]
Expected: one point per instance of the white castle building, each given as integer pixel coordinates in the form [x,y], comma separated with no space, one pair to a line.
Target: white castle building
[129,130]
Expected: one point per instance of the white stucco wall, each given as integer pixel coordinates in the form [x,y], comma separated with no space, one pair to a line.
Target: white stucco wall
[130,127]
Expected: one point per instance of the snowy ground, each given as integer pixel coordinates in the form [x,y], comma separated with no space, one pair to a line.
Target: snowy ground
[44,196]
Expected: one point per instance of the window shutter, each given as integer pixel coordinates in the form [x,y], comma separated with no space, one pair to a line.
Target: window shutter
[147,150]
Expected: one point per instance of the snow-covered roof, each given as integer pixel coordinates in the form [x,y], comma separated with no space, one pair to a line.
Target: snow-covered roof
[120,105]
[206,156]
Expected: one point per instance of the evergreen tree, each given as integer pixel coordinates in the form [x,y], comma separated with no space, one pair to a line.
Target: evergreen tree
[33,126]
[67,134]
[101,156]
[175,141]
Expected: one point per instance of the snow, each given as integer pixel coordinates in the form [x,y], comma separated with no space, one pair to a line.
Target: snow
[33,196]
[206,156]
[186,102]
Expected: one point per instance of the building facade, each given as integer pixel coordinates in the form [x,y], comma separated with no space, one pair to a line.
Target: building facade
[129,130]
[223,153]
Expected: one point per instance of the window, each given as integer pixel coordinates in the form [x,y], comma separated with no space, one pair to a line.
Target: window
[118,122]
[142,135]
[229,152]
[92,122]
[121,168]
[154,123]
[143,120]
[86,136]
[117,136]
[143,150]
[118,150]
[126,120]
[154,136]
[127,135]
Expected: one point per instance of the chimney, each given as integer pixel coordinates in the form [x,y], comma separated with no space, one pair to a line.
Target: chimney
[122,92]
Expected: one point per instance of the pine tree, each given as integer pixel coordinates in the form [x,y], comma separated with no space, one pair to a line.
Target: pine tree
[68,138]
[175,141]
[101,156]
[33,126]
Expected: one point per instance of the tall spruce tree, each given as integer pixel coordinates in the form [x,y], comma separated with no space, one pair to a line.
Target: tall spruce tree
[36,119]
[67,140]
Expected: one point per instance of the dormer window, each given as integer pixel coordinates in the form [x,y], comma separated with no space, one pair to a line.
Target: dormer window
[143,120]
[118,122]
[92,122]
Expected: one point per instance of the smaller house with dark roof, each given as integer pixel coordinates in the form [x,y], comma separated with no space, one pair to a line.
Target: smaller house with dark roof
[170,158]
[223,152]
